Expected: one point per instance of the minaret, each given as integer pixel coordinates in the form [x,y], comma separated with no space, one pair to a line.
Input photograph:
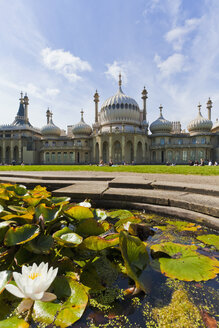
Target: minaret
[26,103]
[209,107]
[21,98]
[96,100]
[199,108]
[144,97]
[48,115]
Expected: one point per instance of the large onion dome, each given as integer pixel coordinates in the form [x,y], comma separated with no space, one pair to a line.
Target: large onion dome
[120,109]
[50,129]
[161,125]
[215,127]
[199,124]
[81,128]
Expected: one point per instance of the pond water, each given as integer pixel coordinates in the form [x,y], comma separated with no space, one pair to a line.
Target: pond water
[167,302]
[114,268]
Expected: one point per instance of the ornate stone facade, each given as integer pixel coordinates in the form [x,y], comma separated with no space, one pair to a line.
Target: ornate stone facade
[118,135]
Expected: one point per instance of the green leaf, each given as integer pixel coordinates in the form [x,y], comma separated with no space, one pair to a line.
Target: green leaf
[18,209]
[40,245]
[79,212]
[97,243]
[210,240]
[21,235]
[14,322]
[19,190]
[119,225]
[5,277]
[23,256]
[135,257]
[89,227]
[63,314]
[4,226]
[60,200]
[120,214]
[50,214]
[185,263]
[66,237]
[99,274]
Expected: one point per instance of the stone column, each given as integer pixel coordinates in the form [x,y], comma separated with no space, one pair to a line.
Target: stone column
[12,150]
[135,148]
[123,148]
[100,150]
[3,148]
[20,150]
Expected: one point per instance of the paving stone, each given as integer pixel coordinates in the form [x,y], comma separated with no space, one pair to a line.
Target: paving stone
[82,190]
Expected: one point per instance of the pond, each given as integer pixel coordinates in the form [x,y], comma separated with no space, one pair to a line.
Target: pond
[116,268]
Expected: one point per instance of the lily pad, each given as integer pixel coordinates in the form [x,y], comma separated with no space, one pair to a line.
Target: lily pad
[40,245]
[135,257]
[210,240]
[63,314]
[120,214]
[184,263]
[89,227]
[97,243]
[66,237]
[179,225]
[14,322]
[79,212]
[50,214]
[21,235]
[60,200]
[4,226]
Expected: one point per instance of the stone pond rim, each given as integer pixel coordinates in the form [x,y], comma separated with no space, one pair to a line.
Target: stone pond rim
[189,197]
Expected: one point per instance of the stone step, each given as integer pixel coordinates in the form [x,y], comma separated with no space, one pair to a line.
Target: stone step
[142,183]
[199,203]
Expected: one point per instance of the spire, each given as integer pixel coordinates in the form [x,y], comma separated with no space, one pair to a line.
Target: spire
[144,97]
[209,107]
[47,115]
[21,98]
[82,115]
[161,108]
[120,82]
[96,100]
[199,108]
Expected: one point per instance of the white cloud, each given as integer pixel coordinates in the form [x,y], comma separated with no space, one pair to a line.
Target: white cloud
[52,92]
[63,62]
[173,64]
[177,35]
[114,69]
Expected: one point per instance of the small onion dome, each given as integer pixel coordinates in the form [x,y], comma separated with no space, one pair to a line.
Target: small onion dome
[81,128]
[50,129]
[215,127]
[161,125]
[199,124]
[120,108]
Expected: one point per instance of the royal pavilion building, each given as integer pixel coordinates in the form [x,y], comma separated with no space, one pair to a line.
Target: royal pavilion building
[120,134]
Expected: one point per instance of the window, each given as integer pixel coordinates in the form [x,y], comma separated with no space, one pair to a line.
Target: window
[185,154]
[126,106]
[162,141]
[117,105]
[47,158]
[203,140]
[113,106]
[59,158]
[65,157]
[71,157]
[122,106]
[193,140]
[53,143]
[154,156]
[53,158]
[65,142]
[180,142]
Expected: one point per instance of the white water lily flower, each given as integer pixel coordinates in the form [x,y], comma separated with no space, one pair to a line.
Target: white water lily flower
[126,225]
[85,204]
[101,214]
[33,282]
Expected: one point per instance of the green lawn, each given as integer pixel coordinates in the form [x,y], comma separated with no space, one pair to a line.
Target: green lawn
[180,169]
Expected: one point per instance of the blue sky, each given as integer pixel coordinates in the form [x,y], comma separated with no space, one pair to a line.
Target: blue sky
[61,51]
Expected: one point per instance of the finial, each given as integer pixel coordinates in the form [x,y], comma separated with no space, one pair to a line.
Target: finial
[82,113]
[120,79]
[21,94]
[209,103]
[161,107]
[199,108]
